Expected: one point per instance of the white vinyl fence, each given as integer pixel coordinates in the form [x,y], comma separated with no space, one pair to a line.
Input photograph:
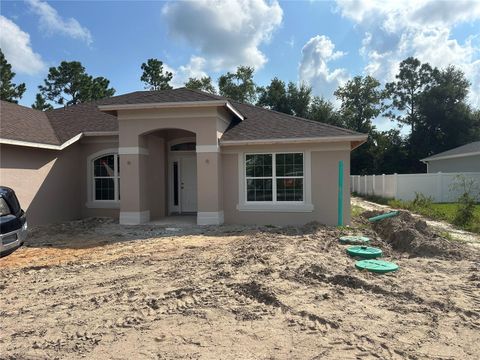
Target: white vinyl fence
[404,186]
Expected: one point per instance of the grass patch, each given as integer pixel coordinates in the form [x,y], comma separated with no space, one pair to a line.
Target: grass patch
[421,205]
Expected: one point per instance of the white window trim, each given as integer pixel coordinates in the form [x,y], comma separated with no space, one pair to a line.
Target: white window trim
[275,206]
[91,201]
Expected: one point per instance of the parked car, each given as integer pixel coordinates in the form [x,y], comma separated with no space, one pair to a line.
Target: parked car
[13,222]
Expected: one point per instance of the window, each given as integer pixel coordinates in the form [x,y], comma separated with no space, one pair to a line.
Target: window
[106,178]
[186,146]
[276,177]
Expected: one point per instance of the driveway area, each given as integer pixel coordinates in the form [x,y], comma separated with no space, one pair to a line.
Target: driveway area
[94,289]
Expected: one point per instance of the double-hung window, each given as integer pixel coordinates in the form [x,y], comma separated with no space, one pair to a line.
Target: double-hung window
[106,178]
[274,177]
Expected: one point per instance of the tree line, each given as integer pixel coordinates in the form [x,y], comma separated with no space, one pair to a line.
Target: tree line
[430,102]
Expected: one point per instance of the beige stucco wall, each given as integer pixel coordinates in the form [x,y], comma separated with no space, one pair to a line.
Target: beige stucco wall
[324,180]
[46,182]
[52,186]
[460,164]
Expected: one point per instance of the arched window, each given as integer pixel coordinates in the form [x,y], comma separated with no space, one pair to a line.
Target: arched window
[184,146]
[106,178]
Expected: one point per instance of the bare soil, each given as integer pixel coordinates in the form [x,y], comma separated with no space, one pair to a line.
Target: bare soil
[97,290]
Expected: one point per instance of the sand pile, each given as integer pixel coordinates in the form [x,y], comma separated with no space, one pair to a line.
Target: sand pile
[407,234]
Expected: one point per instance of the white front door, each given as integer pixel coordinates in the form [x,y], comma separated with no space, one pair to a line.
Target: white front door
[188,183]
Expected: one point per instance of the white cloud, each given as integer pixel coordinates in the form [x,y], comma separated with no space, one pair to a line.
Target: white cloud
[17,49]
[423,29]
[195,68]
[225,33]
[314,69]
[52,22]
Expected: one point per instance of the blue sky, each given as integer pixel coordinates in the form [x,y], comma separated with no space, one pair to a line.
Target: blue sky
[318,42]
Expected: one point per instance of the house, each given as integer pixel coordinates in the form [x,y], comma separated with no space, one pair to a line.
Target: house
[464,158]
[146,155]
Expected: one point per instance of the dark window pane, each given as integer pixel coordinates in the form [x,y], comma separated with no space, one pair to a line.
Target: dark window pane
[289,164]
[187,146]
[118,165]
[258,165]
[104,166]
[289,189]
[104,189]
[259,190]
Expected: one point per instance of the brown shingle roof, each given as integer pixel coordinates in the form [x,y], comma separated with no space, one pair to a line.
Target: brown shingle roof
[59,125]
[75,119]
[162,96]
[264,124]
[24,124]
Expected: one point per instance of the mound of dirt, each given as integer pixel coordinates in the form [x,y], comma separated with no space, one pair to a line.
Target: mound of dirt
[407,234]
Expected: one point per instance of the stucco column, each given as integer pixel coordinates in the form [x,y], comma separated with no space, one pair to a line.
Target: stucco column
[209,185]
[133,185]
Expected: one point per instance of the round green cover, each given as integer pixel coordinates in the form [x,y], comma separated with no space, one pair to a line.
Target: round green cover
[377,266]
[354,240]
[365,252]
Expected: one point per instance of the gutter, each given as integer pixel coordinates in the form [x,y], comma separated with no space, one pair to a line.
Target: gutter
[57,147]
[167,105]
[426,160]
[361,138]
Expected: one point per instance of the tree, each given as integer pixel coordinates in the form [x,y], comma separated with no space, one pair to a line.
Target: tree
[361,102]
[9,91]
[445,119]
[323,111]
[154,77]
[238,86]
[274,97]
[413,79]
[41,103]
[299,98]
[203,83]
[69,84]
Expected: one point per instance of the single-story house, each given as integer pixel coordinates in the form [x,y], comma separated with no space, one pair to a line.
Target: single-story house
[146,155]
[465,158]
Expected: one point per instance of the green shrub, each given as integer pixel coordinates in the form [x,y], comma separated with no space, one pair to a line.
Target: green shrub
[465,210]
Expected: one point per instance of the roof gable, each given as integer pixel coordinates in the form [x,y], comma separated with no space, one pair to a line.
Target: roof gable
[464,150]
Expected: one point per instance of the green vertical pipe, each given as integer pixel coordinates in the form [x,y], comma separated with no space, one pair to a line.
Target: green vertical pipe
[340,193]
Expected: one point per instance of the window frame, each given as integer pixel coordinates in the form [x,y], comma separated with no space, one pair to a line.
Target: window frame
[91,203]
[115,177]
[274,178]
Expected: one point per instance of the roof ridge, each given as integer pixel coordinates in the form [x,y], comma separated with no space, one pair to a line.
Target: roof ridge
[198,91]
[300,118]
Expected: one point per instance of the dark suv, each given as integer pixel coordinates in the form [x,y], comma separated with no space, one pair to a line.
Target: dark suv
[13,222]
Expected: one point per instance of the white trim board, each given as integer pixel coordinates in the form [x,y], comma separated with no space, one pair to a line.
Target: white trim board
[133,150]
[208,148]
[134,217]
[40,145]
[210,218]
[294,140]
[57,147]
[179,104]
[446,157]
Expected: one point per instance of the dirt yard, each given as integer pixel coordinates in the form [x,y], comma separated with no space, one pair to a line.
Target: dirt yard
[97,290]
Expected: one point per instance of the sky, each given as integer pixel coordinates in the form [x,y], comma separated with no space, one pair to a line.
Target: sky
[321,43]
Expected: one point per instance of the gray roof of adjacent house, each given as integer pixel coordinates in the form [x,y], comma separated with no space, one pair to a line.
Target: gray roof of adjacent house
[55,127]
[461,151]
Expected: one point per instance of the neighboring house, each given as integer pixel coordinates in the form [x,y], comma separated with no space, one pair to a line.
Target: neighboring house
[464,158]
[149,154]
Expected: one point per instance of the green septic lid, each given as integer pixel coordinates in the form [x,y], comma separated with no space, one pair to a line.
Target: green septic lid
[365,252]
[377,266]
[354,240]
